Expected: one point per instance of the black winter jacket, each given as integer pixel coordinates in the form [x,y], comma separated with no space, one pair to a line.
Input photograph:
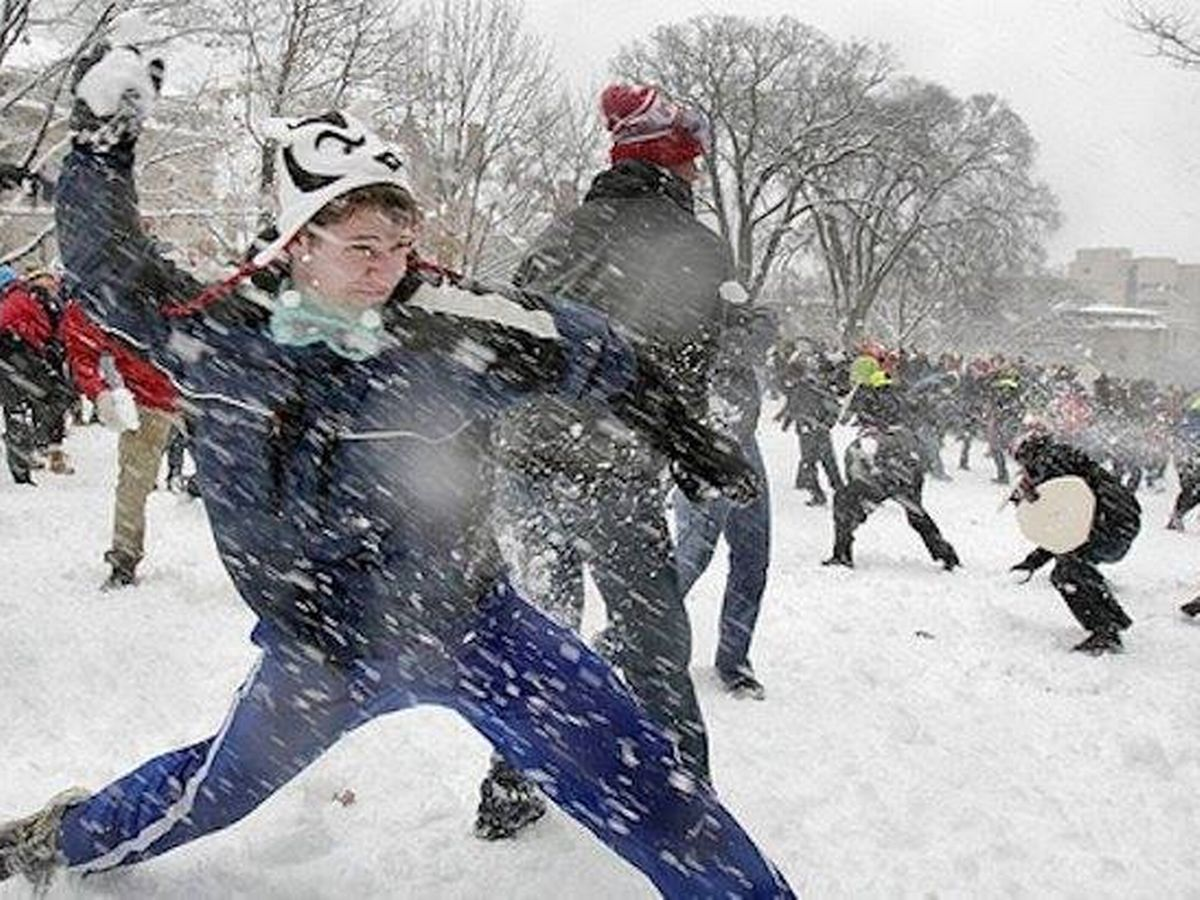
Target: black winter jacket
[1118,513]
[635,251]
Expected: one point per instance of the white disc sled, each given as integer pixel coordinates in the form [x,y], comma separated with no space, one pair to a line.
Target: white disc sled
[1061,518]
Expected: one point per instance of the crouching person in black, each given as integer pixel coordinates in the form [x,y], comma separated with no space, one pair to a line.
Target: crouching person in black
[1115,524]
[884,462]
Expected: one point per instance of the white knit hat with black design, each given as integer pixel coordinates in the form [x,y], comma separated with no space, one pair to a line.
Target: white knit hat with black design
[318,159]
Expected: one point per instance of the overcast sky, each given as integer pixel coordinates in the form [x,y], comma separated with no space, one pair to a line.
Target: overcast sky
[1119,131]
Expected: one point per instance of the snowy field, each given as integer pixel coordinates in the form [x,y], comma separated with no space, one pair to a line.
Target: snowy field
[925,734]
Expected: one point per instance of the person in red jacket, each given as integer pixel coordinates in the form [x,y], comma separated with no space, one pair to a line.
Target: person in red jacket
[133,397]
[34,389]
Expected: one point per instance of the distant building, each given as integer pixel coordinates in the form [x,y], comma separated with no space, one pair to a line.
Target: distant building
[182,158]
[1145,321]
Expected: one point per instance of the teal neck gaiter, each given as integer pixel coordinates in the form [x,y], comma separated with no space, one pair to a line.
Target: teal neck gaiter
[296,321]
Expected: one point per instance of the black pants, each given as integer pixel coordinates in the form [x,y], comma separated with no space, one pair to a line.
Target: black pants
[1084,590]
[964,453]
[816,449]
[1189,487]
[35,396]
[618,529]
[19,441]
[893,472]
[930,437]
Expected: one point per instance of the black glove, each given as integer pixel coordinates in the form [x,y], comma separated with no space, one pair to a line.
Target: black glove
[1032,563]
[114,90]
[704,463]
[36,186]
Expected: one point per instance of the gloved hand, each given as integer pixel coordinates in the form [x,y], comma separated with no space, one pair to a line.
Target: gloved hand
[117,410]
[707,465]
[1021,573]
[114,88]
[704,463]
[1025,491]
[1030,564]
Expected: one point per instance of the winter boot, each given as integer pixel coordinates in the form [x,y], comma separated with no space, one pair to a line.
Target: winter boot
[1099,642]
[507,803]
[742,684]
[947,557]
[839,558]
[607,643]
[29,846]
[1175,523]
[123,570]
[842,555]
[816,498]
[58,462]
[1191,608]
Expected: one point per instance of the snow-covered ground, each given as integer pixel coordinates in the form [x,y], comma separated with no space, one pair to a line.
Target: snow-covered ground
[925,734]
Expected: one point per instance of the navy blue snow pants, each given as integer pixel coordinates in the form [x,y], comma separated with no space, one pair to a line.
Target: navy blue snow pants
[553,708]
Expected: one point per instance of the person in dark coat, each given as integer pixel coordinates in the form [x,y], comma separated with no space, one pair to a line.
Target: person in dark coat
[585,491]
[34,388]
[1004,408]
[884,462]
[1187,463]
[1116,523]
[342,413]
[812,386]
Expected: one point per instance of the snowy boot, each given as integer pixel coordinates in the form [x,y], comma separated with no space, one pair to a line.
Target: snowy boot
[742,683]
[1191,608]
[947,557]
[29,846]
[842,555]
[507,803]
[1175,523]
[607,642]
[1099,642]
[58,462]
[123,570]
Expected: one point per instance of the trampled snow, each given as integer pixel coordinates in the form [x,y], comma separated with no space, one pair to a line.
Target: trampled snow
[925,734]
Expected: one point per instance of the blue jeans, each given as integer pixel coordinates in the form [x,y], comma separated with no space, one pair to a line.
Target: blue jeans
[747,531]
[553,708]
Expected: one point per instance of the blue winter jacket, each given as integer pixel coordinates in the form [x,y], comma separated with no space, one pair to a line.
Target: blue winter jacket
[349,500]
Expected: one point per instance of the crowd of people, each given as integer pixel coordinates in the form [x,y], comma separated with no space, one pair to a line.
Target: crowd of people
[52,356]
[1117,435]
[406,533]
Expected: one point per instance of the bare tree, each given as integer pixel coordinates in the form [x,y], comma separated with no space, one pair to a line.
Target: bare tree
[1174,35]
[561,151]
[937,167]
[295,56]
[465,96]
[786,105]
[14,19]
[32,104]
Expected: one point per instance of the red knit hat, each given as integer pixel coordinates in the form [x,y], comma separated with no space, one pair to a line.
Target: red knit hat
[644,125]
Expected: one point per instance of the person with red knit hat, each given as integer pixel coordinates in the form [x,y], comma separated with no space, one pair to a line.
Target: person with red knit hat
[583,490]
